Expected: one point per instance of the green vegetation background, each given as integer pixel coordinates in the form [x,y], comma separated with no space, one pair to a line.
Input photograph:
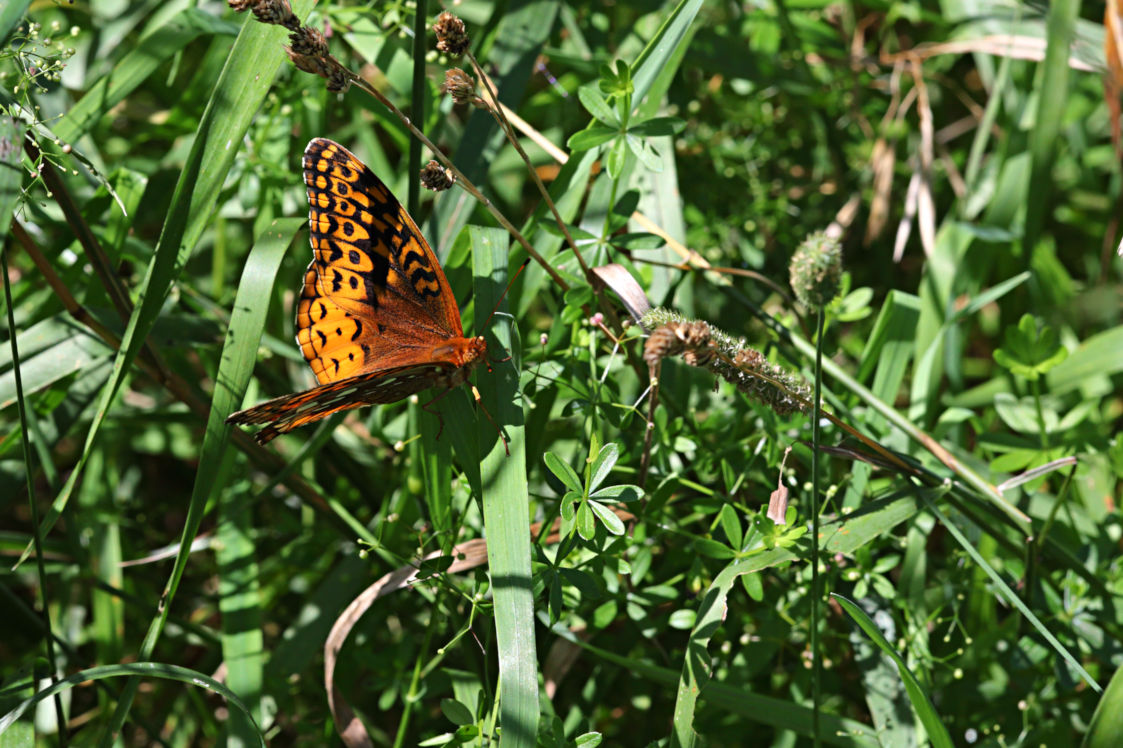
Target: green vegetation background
[962,151]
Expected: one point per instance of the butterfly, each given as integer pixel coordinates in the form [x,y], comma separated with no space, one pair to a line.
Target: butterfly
[377,320]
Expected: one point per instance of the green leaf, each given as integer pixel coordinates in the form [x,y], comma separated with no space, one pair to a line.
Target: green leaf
[682,619]
[753,586]
[603,464]
[614,163]
[592,99]
[608,518]
[657,126]
[605,614]
[563,472]
[731,526]
[622,493]
[586,521]
[937,733]
[569,505]
[713,549]
[616,83]
[645,152]
[591,137]
[457,713]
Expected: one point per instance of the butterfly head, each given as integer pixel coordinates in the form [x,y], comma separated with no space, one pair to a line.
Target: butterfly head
[467,355]
[475,351]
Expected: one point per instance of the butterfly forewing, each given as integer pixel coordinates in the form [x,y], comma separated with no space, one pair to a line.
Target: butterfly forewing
[374,291]
[377,320]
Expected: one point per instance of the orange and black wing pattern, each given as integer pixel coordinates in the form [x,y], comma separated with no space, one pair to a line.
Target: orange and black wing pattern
[377,320]
[285,413]
[374,295]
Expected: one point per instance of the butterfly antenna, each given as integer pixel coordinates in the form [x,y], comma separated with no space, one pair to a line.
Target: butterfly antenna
[496,309]
[505,290]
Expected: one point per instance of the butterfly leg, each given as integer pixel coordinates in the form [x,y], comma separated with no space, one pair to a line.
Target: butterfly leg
[437,413]
[476,396]
[479,402]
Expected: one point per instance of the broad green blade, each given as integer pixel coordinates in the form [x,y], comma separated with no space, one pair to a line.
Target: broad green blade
[506,502]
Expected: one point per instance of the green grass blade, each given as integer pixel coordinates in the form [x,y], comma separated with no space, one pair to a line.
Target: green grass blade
[132,670]
[667,44]
[1013,598]
[245,80]
[135,68]
[505,499]
[239,601]
[1107,721]
[238,357]
[10,14]
[937,733]
[1051,110]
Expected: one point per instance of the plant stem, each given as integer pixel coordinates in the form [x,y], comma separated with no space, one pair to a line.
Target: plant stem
[816,582]
[496,110]
[417,99]
[462,180]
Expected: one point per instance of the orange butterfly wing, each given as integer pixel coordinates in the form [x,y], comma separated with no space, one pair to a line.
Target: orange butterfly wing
[377,320]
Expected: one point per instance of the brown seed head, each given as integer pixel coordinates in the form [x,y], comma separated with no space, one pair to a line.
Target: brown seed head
[460,86]
[307,41]
[309,64]
[277,12]
[452,36]
[436,177]
[662,342]
[693,334]
[748,359]
[339,80]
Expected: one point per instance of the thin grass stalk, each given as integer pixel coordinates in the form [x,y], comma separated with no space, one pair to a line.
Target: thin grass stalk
[497,111]
[417,96]
[816,582]
[461,179]
[37,535]
[969,476]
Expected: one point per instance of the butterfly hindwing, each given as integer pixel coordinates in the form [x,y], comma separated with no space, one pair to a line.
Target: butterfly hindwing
[376,320]
[374,293]
[386,386]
